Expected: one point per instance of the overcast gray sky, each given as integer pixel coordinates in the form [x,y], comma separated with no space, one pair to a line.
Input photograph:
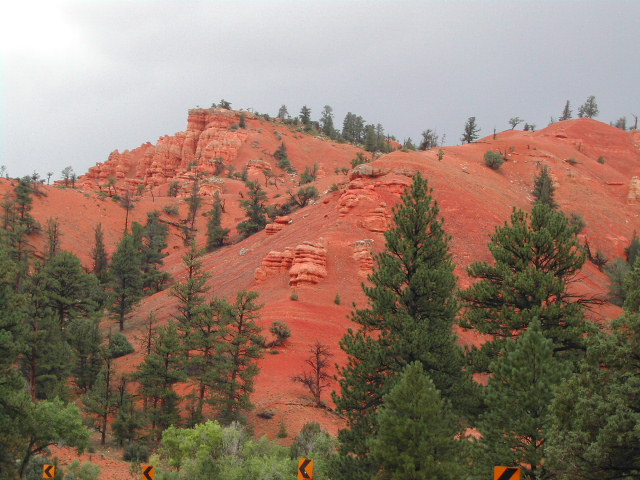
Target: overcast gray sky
[80,79]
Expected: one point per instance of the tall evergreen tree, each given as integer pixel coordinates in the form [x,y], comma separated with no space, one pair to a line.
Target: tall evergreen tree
[99,256]
[283,113]
[566,112]
[353,128]
[410,318]
[254,207]
[216,235]
[305,115]
[241,347]
[632,288]
[543,189]
[190,293]
[589,108]
[536,256]
[126,278]
[84,339]
[158,375]
[326,122]
[154,241]
[471,130]
[514,425]
[100,401]
[417,437]
[595,425]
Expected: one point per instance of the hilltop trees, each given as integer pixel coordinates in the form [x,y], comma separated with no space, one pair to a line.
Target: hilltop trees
[566,112]
[255,210]
[410,316]
[589,108]
[471,130]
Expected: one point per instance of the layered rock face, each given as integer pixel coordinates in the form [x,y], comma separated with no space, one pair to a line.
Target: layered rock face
[209,142]
[305,264]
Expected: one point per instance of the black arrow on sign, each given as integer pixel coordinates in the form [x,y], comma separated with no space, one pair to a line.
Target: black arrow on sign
[304,464]
[147,471]
[47,471]
[508,473]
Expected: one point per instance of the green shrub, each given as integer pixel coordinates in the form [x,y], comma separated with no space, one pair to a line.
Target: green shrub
[359,160]
[493,160]
[84,471]
[170,210]
[294,296]
[136,452]
[280,331]
[266,414]
[571,161]
[334,188]
[577,221]
[601,160]
[282,433]
[337,300]
[174,187]
[120,346]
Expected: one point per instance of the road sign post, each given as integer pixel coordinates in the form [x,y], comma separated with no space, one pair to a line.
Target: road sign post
[305,468]
[48,471]
[507,473]
[148,472]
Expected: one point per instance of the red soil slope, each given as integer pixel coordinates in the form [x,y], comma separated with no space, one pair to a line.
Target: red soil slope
[326,248]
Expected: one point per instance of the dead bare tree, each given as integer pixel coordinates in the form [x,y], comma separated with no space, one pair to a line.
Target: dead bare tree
[317,379]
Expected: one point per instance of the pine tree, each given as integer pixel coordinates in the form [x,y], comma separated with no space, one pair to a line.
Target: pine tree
[417,433]
[471,131]
[99,257]
[53,237]
[84,339]
[283,113]
[632,288]
[157,375]
[595,420]
[255,210]
[241,347]
[305,115]
[126,278]
[514,425]
[326,122]
[566,112]
[543,189]
[216,235]
[536,256]
[190,293]
[589,108]
[154,241]
[410,318]
[100,401]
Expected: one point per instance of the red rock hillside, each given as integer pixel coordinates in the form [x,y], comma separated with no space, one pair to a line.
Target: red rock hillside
[326,248]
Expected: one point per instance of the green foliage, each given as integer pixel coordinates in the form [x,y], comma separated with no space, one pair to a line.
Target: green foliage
[353,128]
[589,108]
[338,299]
[282,432]
[126,278]
[632,289]
[255,210]
[416,437]
[566,112]
[536,255]
[99,257]
[326,122]
[359,160]
[410,317]
[430,139]
[281,331]
[309,175]
[153,243]
[294,296]
[119,346]
[82,471]
[601,160]
[493,160]
[216,235]
[136,452]
[571,161]
[595,425]
[174,188]
[170,210]
[514,426]
[243,121]
[577,222]
[543,189]
[471,130]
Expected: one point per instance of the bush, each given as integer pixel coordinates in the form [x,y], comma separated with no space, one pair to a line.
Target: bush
[84,471]
[337,300]
[136,452]
[493,160]
[280,331]
[173,189]
[571,161]
[577,221]
[120,346]
[266,414]
[282,433]
[601,160]
[294,296]
[170,210]
[359,160]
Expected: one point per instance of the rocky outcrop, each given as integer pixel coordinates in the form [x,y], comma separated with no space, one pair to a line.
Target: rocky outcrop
[274,263]
[378,220]
[211,140]
[278,225]
[362,253]
[309,264]
[634,191]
